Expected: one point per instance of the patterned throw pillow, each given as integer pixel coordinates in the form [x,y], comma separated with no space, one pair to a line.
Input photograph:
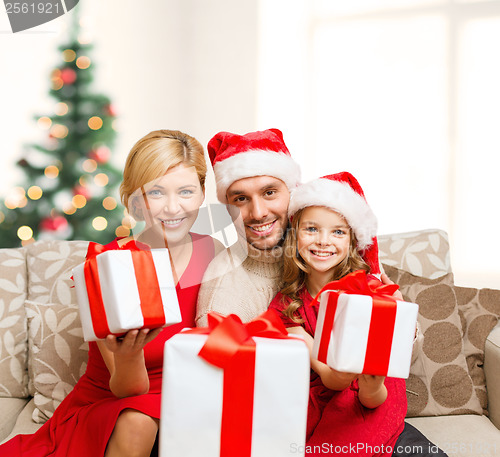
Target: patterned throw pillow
[439,382]
[425,253]
[59,354]
[50,266]
[13,335]
[479,310]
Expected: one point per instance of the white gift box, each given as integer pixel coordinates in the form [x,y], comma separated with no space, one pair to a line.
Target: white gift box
[192,399]
[120,292]
[348,340]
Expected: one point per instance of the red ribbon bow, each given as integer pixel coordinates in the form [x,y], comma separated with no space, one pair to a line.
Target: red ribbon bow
[357,282]
[383,318]
[149,290]
[94,249]
[230,346]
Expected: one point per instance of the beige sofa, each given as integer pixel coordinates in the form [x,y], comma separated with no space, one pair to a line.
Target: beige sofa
[452,398]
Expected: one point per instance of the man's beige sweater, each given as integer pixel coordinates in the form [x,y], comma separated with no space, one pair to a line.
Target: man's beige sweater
[241,280]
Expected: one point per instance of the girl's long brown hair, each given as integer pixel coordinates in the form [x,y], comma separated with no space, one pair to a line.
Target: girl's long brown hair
[295,270]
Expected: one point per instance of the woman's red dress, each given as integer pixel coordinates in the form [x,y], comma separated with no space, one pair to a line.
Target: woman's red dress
[83,422]
[337,423]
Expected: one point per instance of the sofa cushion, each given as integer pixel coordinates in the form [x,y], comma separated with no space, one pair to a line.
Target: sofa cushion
[10,407]
[439,381]
[59,354]
[424,253]
[13,334]
[460,436]
[492,374]
[24,423]
[50,265]
[479,310]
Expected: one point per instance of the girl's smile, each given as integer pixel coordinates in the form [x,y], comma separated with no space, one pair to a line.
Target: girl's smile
[321,254]
[323,238]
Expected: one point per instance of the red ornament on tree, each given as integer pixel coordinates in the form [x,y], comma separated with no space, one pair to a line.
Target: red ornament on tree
[110,110]
[82,190]
[68,76]
[101,154]
[54,224]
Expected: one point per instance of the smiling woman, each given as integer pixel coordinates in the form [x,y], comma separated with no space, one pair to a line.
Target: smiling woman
[164,186]
[169,204]
[114,409]
[152,156]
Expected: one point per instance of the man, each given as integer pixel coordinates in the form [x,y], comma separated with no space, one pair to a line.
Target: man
[254,175]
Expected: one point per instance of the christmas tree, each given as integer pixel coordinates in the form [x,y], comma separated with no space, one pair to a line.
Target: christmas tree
[71,186]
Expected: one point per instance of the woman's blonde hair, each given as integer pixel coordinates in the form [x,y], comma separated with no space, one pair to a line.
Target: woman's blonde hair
[295,270]
[153,155]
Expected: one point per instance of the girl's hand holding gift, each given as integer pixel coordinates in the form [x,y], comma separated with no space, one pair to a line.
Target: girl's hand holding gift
[372,391]
[399,296]
[385,280]
[333,234]
[335,380]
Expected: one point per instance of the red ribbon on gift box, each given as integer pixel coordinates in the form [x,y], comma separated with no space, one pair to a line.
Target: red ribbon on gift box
[383,318]
[230,346]
[149,290]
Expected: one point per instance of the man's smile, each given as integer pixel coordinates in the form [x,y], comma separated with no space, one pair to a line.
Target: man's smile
[262,229]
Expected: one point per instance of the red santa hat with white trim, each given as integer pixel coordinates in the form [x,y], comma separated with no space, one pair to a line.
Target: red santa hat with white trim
[342,193]
[261,153]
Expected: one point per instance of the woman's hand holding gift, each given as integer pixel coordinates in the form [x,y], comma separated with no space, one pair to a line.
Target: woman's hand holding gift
[131,343]
[124,357]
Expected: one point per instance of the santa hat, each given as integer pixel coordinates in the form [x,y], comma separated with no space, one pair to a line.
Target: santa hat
[261,153]
[342,193]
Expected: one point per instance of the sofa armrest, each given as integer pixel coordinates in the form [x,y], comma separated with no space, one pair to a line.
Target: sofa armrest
[492,373]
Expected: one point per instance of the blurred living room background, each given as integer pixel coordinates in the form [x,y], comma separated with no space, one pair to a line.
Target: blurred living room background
[404,94]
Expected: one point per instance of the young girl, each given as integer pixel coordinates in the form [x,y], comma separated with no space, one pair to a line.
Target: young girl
[114,409]
[332,234]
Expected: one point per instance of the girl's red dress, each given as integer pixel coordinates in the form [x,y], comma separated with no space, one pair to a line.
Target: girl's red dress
[337,423]
[83,422]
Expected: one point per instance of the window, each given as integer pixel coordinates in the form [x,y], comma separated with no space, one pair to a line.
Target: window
[405,95]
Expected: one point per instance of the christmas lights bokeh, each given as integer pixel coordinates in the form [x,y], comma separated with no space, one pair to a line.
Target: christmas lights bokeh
[70,190]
